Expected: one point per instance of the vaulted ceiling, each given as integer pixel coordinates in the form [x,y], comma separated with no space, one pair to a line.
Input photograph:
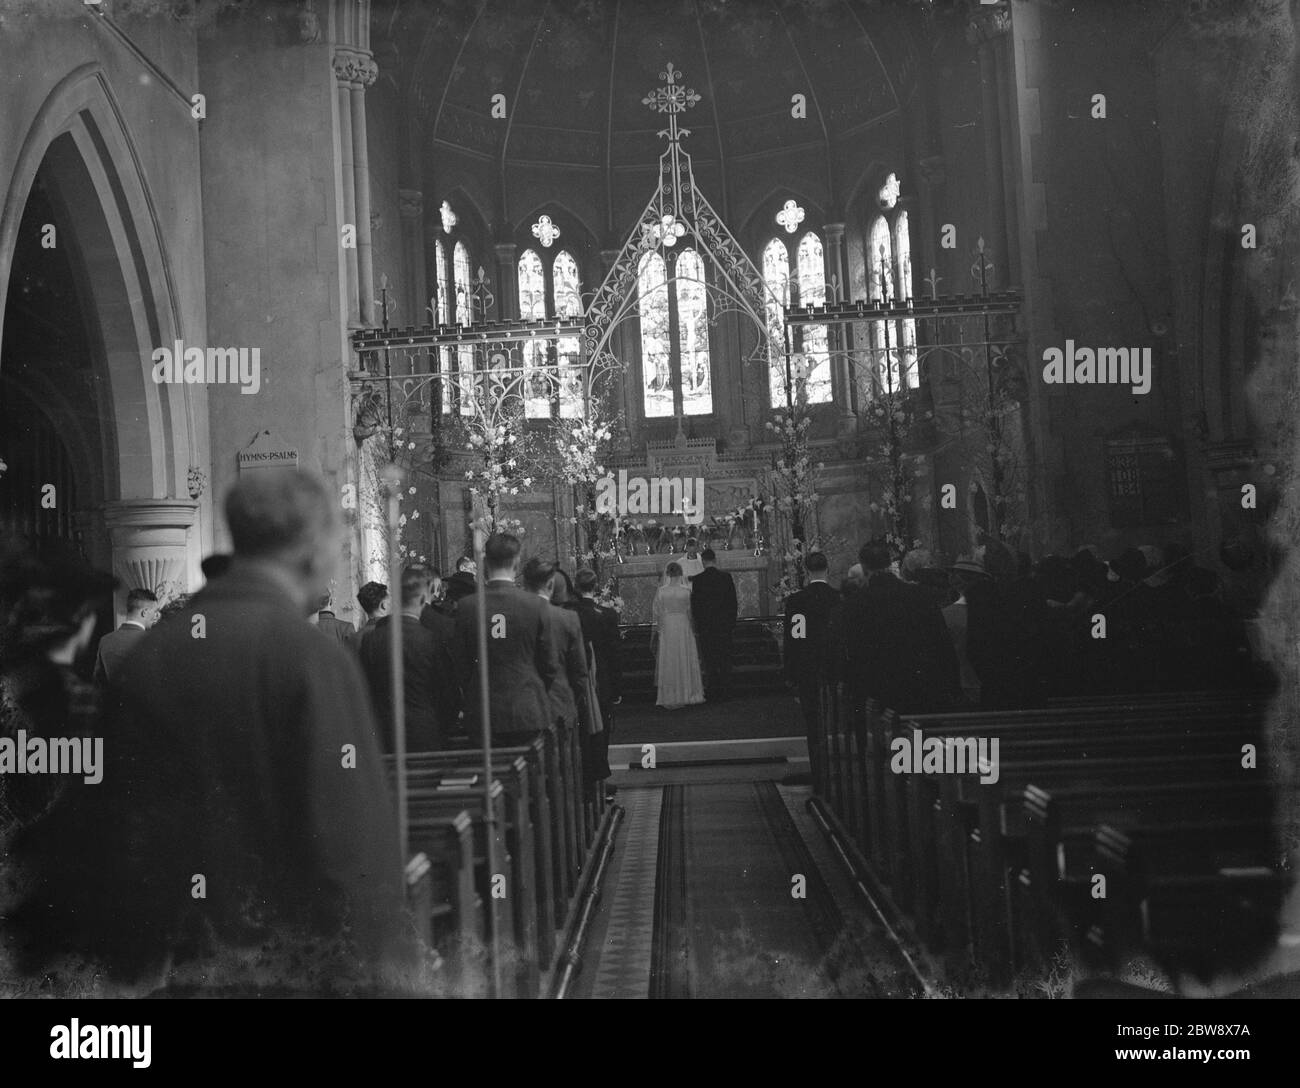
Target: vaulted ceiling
[574,74]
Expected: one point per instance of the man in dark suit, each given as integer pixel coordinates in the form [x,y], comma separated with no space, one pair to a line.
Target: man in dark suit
[459,585]
[141,614]
[807,648]
[243,827]
[520,662]
[601,632]
[568,688]
[713,607]
[894,644]
[374,601]
[324,620]
[429,684]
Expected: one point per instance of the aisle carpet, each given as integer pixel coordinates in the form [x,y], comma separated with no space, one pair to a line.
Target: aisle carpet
[699,903]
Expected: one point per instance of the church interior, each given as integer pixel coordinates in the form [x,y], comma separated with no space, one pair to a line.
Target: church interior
[931,273]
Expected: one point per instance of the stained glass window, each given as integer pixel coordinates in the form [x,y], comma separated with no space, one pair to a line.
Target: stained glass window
[907,327]
[444,318]
[884,334]
[532,306]
[464,316]
[808,342]
[776,275]
[656,365]
[568,303]
[812,292]
[693,334]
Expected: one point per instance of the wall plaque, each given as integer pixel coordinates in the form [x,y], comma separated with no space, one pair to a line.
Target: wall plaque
[267,451]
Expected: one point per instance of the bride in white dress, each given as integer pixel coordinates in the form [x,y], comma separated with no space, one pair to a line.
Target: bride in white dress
[677,661]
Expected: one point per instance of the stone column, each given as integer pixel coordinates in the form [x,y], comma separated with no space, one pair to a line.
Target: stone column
[356,70]
[838,337]
[507,281]
[155,541]
[410,205]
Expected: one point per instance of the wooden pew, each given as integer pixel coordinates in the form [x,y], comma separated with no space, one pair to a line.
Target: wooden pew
[536,792]
[955,826]
[429,809]
[1063,828]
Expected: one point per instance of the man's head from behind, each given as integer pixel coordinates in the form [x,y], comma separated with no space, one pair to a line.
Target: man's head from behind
[501,556]
[586,582]
[142,607]
[415,588]
[874,556]
[708,557]
[373,598]
[286,519]
[538,575]
[816,565]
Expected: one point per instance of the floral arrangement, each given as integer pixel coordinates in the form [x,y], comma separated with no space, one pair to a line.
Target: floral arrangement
[609,597]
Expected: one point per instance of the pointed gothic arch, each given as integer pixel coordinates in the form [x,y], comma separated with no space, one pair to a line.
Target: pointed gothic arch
[79,142]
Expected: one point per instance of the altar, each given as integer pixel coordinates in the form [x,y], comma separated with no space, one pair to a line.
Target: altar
[639,576]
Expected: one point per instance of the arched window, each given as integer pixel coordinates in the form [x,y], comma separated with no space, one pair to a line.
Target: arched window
[532,306]
[806,288]
[893,343]
[674,368]
[776,275]
[549,390]
[656,362]
[812,292]
[444,318]
[903,271]
[464,315]
[566,299]
[693,335]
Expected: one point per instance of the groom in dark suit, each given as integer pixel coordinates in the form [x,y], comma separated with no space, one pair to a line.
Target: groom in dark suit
[713,607]
[807,647]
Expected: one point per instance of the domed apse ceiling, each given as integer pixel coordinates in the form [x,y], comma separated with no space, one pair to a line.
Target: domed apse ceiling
[575,73]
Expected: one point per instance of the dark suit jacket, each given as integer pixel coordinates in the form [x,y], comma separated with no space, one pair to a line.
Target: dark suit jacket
[340,630]
[520,663]
[808,658]
[429,683]
[894,646]
[250,757]
[113,649]
[713,601]
[456,588]
[360,636]
[568,689]
[600,629]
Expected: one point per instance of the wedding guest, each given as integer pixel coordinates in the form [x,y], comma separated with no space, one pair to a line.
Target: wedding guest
[141,614]
[374,602]
[807,649]
[519,658]
[430,689]
[895,647]
[243,765]
[600,630]
[328,624]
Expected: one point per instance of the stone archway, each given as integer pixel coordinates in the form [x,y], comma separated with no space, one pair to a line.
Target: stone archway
[145,520]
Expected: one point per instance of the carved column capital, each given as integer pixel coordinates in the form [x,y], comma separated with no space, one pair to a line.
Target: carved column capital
[834,233]
[352,66]
[505,252]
